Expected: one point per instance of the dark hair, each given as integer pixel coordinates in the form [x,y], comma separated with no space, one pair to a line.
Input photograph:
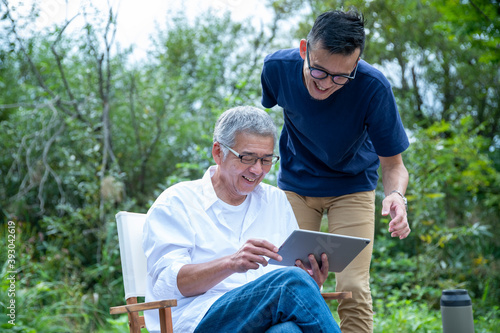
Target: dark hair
[339,32]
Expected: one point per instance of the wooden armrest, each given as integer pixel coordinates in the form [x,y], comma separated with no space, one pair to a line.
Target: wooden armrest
[143,306]
[337,295]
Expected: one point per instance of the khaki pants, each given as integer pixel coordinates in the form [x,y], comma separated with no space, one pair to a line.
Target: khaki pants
[352,215]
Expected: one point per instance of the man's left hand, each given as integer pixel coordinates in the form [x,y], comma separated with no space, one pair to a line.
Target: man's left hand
[318,274]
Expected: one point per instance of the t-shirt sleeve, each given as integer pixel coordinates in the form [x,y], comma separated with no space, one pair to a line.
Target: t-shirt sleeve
[268,95]
[385,127]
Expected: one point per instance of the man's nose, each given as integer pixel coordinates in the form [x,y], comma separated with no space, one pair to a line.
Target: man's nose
[257,167]
[326,83]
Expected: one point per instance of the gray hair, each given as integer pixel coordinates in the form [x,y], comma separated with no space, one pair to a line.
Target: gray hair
[243,119]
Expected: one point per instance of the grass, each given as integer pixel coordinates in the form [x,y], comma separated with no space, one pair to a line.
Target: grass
[406,316]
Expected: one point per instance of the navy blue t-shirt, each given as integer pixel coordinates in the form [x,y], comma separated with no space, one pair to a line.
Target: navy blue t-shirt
[331,147]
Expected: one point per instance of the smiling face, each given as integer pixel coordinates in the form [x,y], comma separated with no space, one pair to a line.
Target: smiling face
[233,180]
[331,63]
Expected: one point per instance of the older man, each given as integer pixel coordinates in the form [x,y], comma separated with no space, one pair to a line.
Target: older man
[207,243]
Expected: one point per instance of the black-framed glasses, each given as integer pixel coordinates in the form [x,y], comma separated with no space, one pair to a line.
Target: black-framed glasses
[319,74]
[249,159]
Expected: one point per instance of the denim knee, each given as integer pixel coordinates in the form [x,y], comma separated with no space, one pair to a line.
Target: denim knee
[286,327]
[294,276]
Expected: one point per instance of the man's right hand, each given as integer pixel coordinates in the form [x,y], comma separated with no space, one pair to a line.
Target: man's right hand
[252,254]
[195,279]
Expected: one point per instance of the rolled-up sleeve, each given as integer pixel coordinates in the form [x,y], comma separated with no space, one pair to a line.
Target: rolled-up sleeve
[168,242]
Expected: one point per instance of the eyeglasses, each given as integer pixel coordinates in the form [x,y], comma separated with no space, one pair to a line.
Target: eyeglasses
[249,159]
[339,79]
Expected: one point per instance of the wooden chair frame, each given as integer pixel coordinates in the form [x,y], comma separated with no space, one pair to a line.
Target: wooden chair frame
[136,322]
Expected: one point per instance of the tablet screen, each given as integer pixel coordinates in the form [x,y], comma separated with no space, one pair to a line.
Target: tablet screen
[340,249]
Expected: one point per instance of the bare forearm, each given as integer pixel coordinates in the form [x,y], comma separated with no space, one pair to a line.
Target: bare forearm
[196,279]
[394,176]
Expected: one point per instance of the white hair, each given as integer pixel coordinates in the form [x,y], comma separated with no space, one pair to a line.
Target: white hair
[243,119]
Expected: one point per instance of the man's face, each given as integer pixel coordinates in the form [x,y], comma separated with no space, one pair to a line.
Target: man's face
[331,63]
[234,179]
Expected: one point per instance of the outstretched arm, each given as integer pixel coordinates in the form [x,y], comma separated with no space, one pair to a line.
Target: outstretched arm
[395,179]
[195,279]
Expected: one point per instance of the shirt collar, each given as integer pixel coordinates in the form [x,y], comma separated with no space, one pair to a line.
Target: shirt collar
[209,195]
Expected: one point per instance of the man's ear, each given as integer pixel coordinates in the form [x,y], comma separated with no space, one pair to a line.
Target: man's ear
[303,48]
[217,153]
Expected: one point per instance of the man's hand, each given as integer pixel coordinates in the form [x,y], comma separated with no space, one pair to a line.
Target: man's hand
[318,274]
[251,255]
[395,177]
[394,205]
[195,279]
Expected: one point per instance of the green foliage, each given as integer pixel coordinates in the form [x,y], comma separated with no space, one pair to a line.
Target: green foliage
[453,206]
[49,295]
[476,23]
[396,313]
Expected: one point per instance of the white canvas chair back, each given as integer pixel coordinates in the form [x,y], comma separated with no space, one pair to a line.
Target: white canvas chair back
[134,272]
[134,267]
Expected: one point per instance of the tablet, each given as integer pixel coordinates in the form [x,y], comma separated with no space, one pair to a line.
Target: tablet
[340,249]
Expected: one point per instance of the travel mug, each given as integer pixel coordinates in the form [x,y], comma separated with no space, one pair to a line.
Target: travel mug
[456,311]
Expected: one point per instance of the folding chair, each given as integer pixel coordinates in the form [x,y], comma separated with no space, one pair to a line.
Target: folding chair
[134,270]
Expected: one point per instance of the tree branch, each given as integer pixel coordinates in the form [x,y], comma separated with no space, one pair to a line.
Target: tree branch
[49,170]
[481,12]
[32,177]
[62,72]
[34,70]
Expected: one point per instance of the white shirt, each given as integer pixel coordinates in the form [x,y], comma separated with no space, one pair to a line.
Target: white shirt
[235,215]
[186,225]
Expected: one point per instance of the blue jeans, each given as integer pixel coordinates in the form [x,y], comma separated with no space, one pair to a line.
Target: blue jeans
[286,327]
[284,295]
